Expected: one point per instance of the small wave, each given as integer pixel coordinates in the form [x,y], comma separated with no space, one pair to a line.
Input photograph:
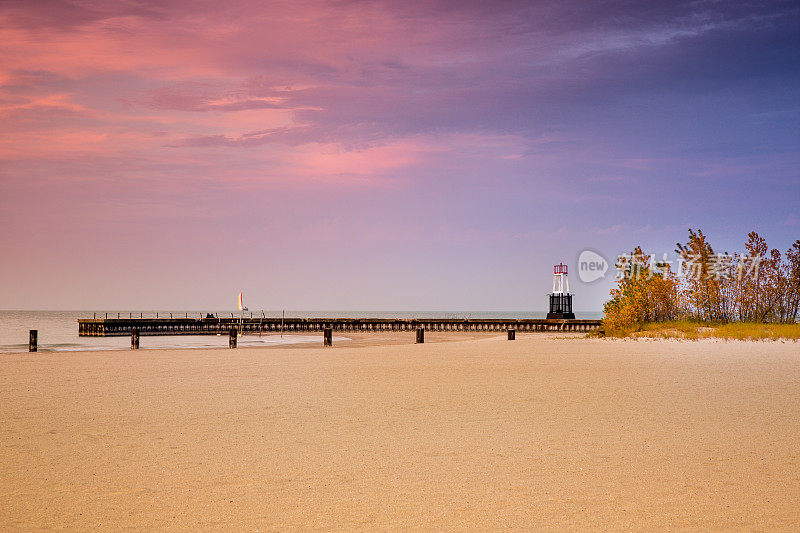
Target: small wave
[13,348]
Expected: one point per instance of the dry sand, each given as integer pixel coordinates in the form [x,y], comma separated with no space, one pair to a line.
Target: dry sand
[480,434]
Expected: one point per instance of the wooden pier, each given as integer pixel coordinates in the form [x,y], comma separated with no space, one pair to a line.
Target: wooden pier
[118,327]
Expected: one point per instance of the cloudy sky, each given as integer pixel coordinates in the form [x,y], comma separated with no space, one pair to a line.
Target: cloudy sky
[381,155]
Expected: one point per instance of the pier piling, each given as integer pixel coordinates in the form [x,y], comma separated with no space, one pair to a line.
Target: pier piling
[135,339]
[512,334]
[327,339]
[232,340]
[33,343]
[420,335]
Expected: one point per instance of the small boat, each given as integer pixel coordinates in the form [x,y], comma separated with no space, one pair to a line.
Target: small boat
[241,303]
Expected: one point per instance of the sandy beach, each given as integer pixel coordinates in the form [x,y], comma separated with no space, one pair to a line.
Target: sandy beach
[478,433]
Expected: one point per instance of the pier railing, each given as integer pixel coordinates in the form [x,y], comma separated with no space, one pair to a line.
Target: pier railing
[117,327]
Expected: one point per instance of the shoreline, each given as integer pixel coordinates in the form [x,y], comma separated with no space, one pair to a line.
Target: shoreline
[309,340]
[367,339]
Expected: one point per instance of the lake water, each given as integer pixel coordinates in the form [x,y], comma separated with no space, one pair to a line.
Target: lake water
[58,330]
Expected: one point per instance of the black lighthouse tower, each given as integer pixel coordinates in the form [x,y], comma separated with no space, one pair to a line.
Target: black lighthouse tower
[560,299]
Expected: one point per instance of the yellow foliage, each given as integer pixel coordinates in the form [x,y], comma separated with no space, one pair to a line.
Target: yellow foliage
[646,291]
[756,287]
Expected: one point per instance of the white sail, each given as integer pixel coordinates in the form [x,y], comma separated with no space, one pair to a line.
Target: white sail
[241,302]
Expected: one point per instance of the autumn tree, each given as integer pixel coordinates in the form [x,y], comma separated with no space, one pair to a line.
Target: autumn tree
[702,277]
[791,273]
[759,285]
[646,291]
[753,297]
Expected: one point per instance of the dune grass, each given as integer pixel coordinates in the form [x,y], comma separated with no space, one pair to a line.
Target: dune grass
[693,330]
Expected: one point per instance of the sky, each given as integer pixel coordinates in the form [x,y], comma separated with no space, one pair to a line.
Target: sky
[387,155]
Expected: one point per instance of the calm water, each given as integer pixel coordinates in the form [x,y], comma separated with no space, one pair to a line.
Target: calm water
[58,330]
